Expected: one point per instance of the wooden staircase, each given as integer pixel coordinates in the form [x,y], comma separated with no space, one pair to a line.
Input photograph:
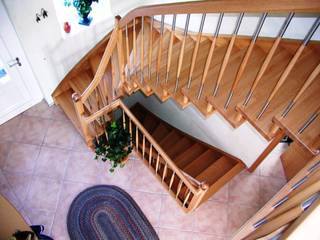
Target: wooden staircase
[271,82]
[202,162]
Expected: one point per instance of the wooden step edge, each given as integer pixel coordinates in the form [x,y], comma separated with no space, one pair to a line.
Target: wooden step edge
[216,186]
[186,168]
[210,175]
[294,159]
[245,116]
[294,136]
[233,122]
[178,159]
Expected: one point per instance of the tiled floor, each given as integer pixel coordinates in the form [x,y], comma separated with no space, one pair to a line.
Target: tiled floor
[44,164]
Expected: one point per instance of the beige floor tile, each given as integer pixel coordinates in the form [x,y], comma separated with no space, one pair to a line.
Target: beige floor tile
[212,217]
[7,192]
[9,128]
[4,151]
[82,167]
[19,183]
[22,158]
[60,134]
[52,163]
[32,130]
[245,189]
[269,186]
[171,234]
[150,204]
[42,110]
[42,217]
[43,194]
[172,216]
[238,214]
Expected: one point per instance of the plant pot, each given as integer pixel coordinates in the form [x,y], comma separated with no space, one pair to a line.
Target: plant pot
[85,20]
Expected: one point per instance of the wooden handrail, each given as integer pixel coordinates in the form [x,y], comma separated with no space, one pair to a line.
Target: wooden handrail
[102,66]
[226,6]
[159,149]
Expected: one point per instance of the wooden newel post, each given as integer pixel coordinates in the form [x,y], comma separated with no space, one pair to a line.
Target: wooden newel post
[78,105]
[197,198]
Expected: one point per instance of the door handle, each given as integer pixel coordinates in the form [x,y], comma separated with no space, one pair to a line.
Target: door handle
[15,62]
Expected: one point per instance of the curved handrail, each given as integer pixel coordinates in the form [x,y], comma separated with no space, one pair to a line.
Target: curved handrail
[226,6]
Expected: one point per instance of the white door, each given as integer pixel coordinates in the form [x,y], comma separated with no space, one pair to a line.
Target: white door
[18,88]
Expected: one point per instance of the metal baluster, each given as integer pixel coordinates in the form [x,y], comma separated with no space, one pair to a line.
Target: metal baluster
[128,54]
[160,49]
[134,46]
[195,50]
[182,52]
[209,57]
[142,50]
[150,48]
[170,46]
[307,83]
[227,55]
[290,66]
[268,58]
[245,59]
[309,121]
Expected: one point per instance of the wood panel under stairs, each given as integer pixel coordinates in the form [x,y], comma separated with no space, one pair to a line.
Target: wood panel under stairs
[201,161]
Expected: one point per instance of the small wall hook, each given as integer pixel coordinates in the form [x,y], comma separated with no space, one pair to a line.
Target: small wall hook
[44,13]
[38,19]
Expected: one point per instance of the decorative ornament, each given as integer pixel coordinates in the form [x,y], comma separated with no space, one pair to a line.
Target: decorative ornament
[66,27]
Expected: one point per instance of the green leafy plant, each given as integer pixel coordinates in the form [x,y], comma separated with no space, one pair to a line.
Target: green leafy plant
[83,6]
[115,146]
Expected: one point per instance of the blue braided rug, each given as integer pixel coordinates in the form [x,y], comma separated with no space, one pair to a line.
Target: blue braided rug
[107,212]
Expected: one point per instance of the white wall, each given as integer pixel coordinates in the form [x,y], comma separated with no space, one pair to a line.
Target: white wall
[50,55]
[244,142]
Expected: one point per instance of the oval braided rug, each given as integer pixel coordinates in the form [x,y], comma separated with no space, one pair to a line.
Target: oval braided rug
[107,212]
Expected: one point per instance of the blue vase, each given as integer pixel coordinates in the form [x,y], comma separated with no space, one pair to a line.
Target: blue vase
[85,20]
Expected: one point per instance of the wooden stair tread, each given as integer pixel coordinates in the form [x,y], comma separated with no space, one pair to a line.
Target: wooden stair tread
[189,155]
[211,79]
[291,86]
[150,123]
[216,170]
[170,139]
[201,162]
[299,114]
[179,147]
[160,132]
[294,159]
[255,61]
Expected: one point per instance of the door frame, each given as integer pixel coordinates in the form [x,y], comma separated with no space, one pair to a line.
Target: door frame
[11,40]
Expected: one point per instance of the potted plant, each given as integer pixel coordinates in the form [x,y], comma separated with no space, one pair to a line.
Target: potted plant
[114,146]
[83,8]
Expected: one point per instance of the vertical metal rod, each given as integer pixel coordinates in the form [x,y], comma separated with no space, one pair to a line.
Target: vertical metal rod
[182,52]
[142,50]
[150,48]
[170,46]
[134,47]
[290,66]
[209,57]
[308,122]
[127,53]
[195,50]
[268,58]
[227,54]
[245,59]
[160,49]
